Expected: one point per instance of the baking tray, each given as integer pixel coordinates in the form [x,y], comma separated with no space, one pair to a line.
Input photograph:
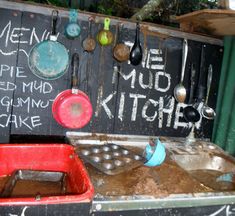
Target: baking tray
[110,158]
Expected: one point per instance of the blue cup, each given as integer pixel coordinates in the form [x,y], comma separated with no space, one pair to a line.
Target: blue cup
[155,155]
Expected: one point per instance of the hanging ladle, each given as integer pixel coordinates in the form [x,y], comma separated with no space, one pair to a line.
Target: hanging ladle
[136,51]
[207,112]
[180,90]
[89,42]
[192,115]
[121,51]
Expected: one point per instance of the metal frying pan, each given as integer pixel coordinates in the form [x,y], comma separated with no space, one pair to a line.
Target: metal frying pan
[72,108]
[49,59]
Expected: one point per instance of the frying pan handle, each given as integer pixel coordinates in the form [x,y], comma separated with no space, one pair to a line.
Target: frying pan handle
[75,67]
[54,22]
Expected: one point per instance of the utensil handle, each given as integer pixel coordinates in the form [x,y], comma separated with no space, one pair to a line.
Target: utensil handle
[200,94]
[209,79]
[106,23]
[90,26]
[54,21]
[184,58]
[137,35]
[192,83]
[75,67]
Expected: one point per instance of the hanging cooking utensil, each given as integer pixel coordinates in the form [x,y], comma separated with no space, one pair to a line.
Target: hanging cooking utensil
[207,112]
[89,42]
[105,37]
[192,84]
[72,108]
[136,51]
[121,51]
[179,90]
[190,113]
[201,85]
[72,29]
[49,59]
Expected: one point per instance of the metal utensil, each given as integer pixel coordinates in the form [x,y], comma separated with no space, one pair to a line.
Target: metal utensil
[201,85]
[89,42]
[192,84]
[180,90]
[206,111]
[121,51]
[72,107]
[136,51]
[105,36]
[72,29]
[110,158]
[191,114]
[49,59]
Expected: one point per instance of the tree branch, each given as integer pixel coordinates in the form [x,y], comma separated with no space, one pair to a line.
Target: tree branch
[147,10]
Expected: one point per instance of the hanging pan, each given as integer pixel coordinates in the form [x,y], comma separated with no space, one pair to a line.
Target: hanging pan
[49,59]
[72,108]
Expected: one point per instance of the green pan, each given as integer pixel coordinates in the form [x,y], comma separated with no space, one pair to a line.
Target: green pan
[49,59]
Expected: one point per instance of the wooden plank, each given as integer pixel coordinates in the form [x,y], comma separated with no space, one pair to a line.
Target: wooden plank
[214,22]
[8,69]
[34,96]
[148,88]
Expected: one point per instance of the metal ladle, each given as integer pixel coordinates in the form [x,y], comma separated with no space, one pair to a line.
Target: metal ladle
[180,90]
[89,42]
[191,114]
[207,112]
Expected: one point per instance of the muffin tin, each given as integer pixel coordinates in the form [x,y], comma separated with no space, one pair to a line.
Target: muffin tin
[110,158]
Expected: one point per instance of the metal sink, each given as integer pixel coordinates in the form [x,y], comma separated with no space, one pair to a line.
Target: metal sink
[205,162]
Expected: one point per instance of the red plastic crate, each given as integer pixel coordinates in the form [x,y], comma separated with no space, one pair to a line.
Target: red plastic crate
[46,157]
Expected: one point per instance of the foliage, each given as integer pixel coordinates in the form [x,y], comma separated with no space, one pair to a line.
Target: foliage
[126,8]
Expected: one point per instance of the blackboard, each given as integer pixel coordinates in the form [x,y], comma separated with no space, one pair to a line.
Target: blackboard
[126,99]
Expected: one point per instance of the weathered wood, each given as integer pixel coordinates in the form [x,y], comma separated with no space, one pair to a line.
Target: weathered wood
[214,22]
[9,70]
[36,95]
[129,100]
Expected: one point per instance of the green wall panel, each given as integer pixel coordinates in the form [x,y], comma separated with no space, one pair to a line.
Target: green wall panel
[224,127]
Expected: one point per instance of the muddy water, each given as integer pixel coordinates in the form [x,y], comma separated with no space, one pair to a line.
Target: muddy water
[208,178]
[29,188]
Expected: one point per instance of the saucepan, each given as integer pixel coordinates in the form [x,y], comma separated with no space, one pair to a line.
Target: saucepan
[72,108]
[49,59]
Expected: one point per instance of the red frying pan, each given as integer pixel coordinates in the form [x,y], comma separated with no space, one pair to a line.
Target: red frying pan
[72,107]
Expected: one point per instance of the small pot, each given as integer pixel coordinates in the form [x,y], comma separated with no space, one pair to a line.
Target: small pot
[72,107]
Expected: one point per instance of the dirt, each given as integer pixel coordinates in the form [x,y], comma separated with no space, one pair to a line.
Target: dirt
[160,181]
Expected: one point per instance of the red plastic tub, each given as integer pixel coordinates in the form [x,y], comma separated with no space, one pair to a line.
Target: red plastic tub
[46,157]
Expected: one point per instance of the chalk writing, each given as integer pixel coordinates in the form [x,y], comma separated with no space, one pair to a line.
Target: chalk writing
[12,71]
[37,86]
[18,121]
[21,214]
[226,210]
[28,102]
[14,35]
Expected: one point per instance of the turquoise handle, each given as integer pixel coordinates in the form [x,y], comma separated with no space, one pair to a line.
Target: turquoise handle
[72,29]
